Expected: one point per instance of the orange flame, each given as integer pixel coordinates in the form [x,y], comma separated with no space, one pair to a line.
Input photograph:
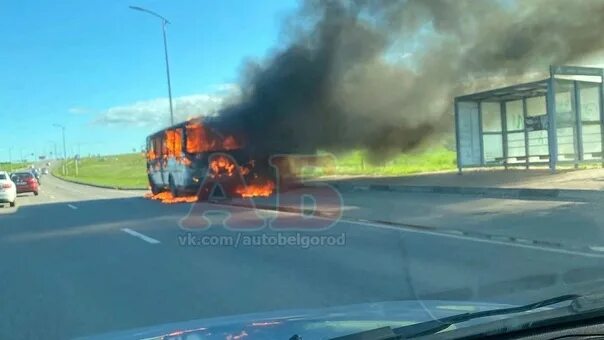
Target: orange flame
[174,142]
[167,198]
[256,189]
[221,165]
[244,170]
[195,138]
[151,155]
[202,139]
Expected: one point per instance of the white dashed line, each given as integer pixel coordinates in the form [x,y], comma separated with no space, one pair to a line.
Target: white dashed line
[141,236]
[72,206]
[51,196]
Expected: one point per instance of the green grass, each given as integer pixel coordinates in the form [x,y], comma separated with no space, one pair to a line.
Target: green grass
[128,170]
[357,163]
[15,166]
[124,171]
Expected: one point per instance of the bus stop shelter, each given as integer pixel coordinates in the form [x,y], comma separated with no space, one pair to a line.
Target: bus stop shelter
[554,121]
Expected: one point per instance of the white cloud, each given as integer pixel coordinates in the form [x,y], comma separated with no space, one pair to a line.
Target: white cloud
[156,112]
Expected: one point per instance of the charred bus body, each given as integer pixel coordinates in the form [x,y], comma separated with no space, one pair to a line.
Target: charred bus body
[179,157]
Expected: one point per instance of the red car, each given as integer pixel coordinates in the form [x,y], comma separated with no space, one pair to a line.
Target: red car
[26,182]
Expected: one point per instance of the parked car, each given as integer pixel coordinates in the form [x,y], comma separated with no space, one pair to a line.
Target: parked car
[26,182]
[8,189]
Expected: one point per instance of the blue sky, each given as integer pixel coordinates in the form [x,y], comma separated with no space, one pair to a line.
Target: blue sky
[97,66]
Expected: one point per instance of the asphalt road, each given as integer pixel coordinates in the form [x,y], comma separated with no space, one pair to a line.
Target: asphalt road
[79,261]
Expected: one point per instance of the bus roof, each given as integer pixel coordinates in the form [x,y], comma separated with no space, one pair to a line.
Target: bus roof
[203,119]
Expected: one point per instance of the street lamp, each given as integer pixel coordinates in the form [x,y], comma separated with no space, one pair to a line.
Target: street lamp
[64,147]
[163,26]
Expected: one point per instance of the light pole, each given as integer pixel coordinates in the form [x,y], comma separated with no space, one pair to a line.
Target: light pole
[164,22]
[64,146]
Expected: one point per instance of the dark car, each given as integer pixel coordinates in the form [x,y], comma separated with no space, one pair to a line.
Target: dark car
[37,174]
[26,182]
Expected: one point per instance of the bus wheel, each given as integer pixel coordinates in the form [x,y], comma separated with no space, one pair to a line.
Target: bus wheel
[173,189]
[154,189]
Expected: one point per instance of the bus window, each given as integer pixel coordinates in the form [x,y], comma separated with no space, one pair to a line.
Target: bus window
[196,136]
[157,147]
[164,151]
[200,138]
[174,142]
[150,150]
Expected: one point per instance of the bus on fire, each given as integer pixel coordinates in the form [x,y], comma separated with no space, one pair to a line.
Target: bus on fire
[180,157]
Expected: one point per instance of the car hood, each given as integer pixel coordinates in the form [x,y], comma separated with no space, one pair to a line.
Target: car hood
[308,323]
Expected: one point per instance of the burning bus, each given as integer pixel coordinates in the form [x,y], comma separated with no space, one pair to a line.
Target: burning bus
[182,157]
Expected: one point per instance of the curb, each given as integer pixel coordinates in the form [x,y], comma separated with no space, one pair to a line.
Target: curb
[444,231]
[97,185]
[518,193]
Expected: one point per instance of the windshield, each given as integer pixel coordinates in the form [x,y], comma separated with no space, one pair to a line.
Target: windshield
[355,164]
[22,176]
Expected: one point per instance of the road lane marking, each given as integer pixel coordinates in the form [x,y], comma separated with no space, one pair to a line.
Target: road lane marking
[51,196]
[459,235]
[474,239]
[141,236]
[72,206]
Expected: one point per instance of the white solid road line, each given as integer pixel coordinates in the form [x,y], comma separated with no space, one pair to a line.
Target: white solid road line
[460,236]
[141,236]
[72,206]
[474,239]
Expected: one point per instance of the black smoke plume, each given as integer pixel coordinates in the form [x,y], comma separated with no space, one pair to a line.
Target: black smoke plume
[381,75]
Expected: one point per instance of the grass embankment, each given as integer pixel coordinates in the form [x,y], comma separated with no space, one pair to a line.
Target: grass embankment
[13,166]
[356,163]
[123,171]
[128,170]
